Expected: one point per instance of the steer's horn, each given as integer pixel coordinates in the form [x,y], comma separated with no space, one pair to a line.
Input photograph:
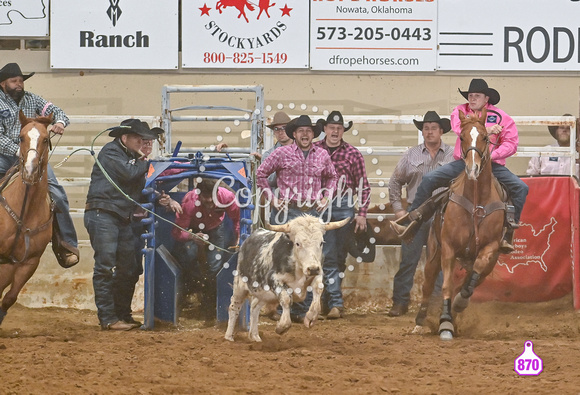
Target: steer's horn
[337,224]
[278,228]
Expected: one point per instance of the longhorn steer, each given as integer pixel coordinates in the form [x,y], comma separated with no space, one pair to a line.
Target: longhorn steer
[277,267]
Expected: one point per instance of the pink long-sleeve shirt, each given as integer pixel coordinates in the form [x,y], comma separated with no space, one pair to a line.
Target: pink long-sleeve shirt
[211,219]
[508,138]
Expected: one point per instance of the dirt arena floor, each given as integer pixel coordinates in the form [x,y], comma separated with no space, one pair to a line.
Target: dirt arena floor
[63,351]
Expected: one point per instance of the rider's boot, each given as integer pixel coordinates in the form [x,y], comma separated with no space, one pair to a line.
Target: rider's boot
[506,245]
[416,217]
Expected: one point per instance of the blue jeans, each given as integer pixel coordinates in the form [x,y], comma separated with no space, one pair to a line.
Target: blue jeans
[441,177]
[410,255]
[335,251]
[116,271]
[199,273]
[58,195]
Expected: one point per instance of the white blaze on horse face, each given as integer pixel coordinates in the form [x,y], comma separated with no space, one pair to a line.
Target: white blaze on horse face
[33,135]
[474,133]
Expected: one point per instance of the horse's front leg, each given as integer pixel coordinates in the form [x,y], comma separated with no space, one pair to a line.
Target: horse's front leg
[20,273]
[431,270]
[315,307]
[482,266]
[6,277]
[446,329]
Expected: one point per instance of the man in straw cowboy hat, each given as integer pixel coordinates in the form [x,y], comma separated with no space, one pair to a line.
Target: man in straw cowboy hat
[13,99]
[108,219]
[558,165]
[503,135]
[278,126]
[415,163]
[352,185]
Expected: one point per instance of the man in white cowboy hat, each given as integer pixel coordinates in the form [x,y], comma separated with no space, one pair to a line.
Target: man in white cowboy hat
[108,219]
[415,163]
[13,99]
[503,135]
[353,185]
[557,165]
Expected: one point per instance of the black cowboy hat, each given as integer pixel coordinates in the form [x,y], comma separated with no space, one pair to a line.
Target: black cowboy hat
[361,246]
[552,128]
[432,116]
[302,120]
[479,85]
[11,70]
[134,126]
[335,117]
[280,118]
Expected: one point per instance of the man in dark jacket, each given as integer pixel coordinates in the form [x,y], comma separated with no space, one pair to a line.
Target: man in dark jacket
[108,221]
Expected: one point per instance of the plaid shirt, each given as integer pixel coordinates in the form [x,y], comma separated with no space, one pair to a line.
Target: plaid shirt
[409,172]
[300,180]
[350,167]
[32,106]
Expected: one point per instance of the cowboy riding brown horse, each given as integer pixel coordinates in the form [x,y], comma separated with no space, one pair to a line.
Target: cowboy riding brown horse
[469,230]
[26,212]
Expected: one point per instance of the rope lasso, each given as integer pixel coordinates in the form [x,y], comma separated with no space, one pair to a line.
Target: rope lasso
[95,157]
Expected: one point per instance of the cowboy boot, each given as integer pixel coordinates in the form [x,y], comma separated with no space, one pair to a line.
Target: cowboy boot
[506,244]
[416,217]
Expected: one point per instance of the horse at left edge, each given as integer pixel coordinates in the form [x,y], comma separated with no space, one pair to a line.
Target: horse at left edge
[26,210]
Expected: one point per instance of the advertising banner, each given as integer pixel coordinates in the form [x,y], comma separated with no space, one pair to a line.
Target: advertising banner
[353,35]
[24,18]
[509,35]
[244,34]
[114,34]
[540,268]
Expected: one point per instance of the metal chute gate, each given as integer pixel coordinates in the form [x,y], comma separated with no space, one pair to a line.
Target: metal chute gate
[163,274]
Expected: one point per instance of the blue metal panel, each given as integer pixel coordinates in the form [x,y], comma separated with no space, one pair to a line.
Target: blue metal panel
[163,280]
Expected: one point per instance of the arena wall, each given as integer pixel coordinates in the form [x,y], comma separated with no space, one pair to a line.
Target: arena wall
[86,92]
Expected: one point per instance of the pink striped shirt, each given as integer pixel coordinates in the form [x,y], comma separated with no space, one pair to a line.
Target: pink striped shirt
[299,180]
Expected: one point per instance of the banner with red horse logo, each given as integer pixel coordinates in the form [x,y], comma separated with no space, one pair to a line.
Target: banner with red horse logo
[541,267]
[245,34]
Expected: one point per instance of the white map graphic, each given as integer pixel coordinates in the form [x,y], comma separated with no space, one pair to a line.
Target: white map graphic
[28,9]
[541,238]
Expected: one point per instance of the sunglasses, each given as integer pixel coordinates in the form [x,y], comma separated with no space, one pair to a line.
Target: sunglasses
[279,129]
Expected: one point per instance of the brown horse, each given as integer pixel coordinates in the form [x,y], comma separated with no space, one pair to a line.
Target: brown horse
[470,229]
[26,212]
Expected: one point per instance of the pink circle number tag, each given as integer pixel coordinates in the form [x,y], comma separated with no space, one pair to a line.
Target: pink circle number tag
[528,364]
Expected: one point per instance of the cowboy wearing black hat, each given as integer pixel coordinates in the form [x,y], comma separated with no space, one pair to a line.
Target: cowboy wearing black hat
[350,167]
[415,163]
[107,219]
[13,99]
[503,135]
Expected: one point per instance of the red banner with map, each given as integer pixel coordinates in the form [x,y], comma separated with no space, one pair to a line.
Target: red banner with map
[542,266]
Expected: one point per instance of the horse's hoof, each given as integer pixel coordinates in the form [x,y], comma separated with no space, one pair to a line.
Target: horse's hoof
[418,330]
[446,330]
[446,335]
[460,303]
